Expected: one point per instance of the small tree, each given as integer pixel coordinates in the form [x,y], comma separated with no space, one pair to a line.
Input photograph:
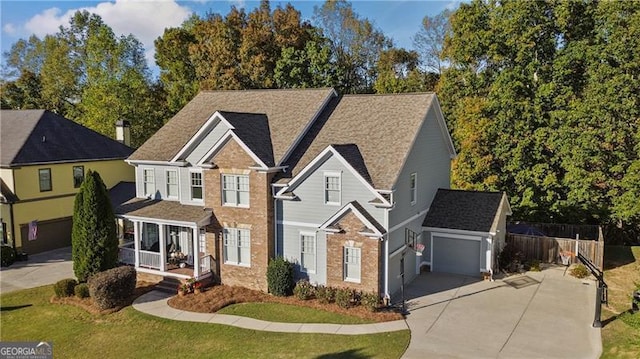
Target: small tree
[280,277]
[93,236]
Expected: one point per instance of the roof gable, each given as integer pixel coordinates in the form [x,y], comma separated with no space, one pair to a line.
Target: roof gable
[40,136]
[465,210]
[290,112]
[372,227]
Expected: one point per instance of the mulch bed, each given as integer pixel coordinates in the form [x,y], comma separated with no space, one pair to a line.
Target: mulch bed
[88,304]
[217,297]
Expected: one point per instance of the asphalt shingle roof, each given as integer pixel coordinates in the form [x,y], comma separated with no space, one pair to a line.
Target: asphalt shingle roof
[382,127]
[253,130]
[288,113]
[40,136]
[165,210]
[465,210]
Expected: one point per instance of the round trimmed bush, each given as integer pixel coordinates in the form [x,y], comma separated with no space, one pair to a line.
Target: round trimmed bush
[325,295]
[113,287]
[280,277]
[65,287]
[82,290]
[304,290]
[344,297]
[370,300]
[7,256]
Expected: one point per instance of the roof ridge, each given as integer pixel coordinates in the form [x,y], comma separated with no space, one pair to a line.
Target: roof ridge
[270,90]
[467,190]
[390,94]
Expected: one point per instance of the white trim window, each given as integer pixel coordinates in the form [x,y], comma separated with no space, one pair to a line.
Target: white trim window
[237,246]
[332,187]
[308,252]
[172,183]
[413,188]
[148,182]
[197,188]
[235,190]
[352,259]
[44,177]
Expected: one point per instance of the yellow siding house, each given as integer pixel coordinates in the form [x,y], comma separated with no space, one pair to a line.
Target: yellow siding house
[43,160]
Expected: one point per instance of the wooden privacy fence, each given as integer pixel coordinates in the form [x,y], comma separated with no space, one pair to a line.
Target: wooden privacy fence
[548,249]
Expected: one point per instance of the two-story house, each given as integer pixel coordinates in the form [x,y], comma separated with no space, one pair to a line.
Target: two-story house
[43,160]
[339,185]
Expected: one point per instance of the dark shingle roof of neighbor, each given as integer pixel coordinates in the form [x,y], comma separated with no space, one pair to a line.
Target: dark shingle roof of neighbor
[288,113]
[40,136]
[121,193]
[383,127]
[465,210]
[253,130]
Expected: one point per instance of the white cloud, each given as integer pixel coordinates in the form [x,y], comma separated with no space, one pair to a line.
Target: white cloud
[9,28]
[146,20]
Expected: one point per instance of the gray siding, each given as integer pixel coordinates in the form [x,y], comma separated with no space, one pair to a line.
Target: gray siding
[160,179]
[291,251]
[431,160]
[184,178]
[207,143]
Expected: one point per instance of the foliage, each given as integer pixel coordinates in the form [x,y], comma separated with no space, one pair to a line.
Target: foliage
[280,277]
[81,290]
[64,287]
[304,290]
[325,294]
[7,255]
[510,258]
[370,300]
[345,297]
[398,72]
[112,287]
[579,271]
[93,234]
[429,40]
[534,266]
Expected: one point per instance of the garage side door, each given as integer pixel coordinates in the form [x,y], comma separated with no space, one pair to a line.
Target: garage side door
[455,255]
[52,234]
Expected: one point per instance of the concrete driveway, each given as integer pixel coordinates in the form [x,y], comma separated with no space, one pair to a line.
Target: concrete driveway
[535,315]
[41,269]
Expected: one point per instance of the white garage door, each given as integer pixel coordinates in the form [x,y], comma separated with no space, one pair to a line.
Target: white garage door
[455,255]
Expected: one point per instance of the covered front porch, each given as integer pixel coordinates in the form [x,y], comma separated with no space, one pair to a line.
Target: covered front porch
[165,238]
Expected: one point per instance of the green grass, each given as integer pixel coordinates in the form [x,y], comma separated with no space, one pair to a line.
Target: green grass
[286,313]
[28,316]
[621,331]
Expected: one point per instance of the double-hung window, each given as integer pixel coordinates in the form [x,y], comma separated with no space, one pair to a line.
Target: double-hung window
[332,188]
[78,176]
[237,246]
[352,256]
[413,191]
[235,190]
[196,186]
[44,177]
[172,183]
[308,252]
[149,183]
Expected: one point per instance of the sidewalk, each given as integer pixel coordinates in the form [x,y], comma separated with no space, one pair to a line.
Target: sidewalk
[155,303]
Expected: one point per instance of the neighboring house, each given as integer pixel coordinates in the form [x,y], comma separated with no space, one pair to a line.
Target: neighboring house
[43,160]
[339,185]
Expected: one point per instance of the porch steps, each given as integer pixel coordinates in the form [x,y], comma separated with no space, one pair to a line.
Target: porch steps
[168,285]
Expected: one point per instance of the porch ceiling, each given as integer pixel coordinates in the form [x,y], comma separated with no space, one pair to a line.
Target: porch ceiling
[164,210]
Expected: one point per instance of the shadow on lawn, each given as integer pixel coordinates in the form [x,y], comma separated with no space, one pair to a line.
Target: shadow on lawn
[347,354]
[617,256]
[616,317]
[15,307]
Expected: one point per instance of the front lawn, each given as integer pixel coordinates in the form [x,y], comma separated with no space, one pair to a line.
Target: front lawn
[621,331]
[287,313]
[29,316]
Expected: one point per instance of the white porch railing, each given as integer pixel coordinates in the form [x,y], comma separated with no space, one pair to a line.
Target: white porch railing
[150,259]
[205,265]
[127,255]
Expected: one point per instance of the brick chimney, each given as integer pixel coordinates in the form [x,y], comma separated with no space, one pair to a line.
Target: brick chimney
[123,132]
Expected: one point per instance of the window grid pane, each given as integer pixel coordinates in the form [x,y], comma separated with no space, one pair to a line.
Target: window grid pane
[196,185]
[352,263]
[235,190]
[172,184]
[332,189]
[237,247]
[44,177]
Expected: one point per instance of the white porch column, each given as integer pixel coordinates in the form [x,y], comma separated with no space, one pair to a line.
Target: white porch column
[163,247]
[136,242]
[195,237]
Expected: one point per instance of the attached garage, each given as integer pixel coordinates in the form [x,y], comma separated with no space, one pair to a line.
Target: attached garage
[465,231]
[52,234]
[456,255]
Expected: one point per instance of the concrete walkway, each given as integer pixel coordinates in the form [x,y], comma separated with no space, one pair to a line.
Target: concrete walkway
[535,315]
[155,303]
[41,269]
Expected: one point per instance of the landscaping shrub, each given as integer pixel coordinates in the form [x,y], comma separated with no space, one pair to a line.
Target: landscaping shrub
[510,258]
[280,277]
[535,266]
[7,256]
[304,290]
[370,300]
[580,271]
[112,287]
[81,290]
[325,295]
[64,287]
[344,297]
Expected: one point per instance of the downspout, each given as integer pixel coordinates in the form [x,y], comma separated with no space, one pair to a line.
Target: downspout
[13,227]
[386,255]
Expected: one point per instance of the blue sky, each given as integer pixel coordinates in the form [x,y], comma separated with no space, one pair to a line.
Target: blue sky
[146,19]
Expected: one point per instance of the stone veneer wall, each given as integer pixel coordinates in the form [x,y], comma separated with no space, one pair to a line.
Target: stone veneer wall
[370,261]
[258,218]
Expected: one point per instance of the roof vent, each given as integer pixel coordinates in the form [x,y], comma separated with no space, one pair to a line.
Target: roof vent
[44,139]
